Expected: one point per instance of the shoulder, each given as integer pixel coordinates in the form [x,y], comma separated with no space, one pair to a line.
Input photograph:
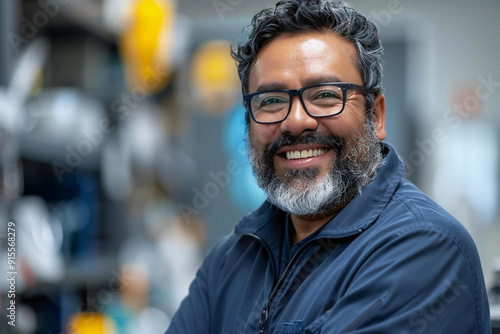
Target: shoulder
[421,245]
[414,219]
[231,246]
[222,248]
[410,208]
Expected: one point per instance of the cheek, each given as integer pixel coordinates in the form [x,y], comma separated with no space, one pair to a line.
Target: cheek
[345,125]
[263,134]
[341,128]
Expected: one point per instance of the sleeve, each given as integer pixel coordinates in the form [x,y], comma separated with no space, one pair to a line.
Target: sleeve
[418,281]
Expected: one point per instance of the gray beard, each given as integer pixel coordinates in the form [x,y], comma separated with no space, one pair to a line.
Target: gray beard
[299,192]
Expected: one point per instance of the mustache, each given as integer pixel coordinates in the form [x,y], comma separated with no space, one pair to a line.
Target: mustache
[287,139]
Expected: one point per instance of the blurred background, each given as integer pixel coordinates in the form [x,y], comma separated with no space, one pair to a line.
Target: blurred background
[122,153]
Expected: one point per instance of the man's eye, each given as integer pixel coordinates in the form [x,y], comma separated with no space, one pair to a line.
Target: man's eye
[272,100]
[327,95]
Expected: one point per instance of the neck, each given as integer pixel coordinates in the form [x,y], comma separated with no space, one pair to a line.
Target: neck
[304,226]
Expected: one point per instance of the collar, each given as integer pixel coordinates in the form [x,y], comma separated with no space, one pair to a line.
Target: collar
[358,215]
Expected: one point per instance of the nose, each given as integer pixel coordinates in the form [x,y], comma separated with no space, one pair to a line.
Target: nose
[298,121]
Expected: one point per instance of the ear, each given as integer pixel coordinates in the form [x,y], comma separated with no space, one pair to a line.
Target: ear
[379,116]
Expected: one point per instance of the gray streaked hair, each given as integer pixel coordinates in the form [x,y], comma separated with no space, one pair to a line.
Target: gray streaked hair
[294,16]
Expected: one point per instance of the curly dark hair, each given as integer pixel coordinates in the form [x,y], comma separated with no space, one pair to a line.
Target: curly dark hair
[314,15]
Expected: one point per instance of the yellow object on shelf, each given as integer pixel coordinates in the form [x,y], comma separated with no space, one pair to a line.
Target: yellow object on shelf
[214,77]
[91,323]
[146,44]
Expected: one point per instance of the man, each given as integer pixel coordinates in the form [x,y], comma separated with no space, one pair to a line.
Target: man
[343,244]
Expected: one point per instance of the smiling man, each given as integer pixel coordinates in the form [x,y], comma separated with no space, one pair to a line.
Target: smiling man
[343,244]
[310,156]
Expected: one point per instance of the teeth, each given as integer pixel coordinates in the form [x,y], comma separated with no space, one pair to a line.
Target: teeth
[290,155]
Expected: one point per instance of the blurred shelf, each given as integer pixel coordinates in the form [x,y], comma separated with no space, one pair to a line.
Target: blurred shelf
[495,314]
[495,318]
[85,15]
[48,151]
[84,275]
[92,274]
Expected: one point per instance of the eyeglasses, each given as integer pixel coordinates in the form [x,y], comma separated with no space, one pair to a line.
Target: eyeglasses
[321,100]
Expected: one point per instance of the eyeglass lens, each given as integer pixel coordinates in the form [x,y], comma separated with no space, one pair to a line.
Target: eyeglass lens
[273,106]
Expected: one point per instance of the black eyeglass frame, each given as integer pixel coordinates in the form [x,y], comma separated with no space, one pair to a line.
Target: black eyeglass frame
[292,92]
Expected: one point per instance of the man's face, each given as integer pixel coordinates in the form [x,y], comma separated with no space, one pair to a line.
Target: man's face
[343,144]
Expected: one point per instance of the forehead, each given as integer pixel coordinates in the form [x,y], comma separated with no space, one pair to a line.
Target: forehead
[294,60]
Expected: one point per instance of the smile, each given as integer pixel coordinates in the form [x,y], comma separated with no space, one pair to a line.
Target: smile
[291,155]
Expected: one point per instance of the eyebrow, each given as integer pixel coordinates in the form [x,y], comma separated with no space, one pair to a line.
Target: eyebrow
[270,86]
[308,82]
[321,79]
